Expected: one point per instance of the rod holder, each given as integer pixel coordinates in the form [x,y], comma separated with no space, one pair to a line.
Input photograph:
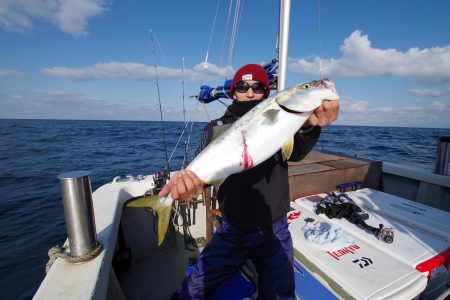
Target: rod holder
[78,212]
[442,153]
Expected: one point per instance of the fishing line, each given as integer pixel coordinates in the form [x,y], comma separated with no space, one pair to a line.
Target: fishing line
[185,162]
[160,49]
[320,39]
[223,102]
[207,114]
[167,167]
[178,142]
[182,83]
[184,124]
[319,31]
[186,148]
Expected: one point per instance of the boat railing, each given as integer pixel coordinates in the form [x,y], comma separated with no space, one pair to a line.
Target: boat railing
[442,153]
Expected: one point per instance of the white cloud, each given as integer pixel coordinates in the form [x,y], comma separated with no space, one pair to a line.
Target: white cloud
[74,105]
[212,70]
[71,105]
[383,109]
[134,71]
[420,113]
[440,106]
[111,70]
[360,59]
[349,105]
[426,92]
[69,16]
[12,74]
[421,107]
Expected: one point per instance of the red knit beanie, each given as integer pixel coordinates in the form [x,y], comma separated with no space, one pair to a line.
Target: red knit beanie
[251,72]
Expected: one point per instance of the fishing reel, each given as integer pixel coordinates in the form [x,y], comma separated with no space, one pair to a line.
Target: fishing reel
[160,179]
[342,206]
[385,234]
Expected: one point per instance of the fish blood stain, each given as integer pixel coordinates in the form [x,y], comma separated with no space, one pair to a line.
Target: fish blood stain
[247,160]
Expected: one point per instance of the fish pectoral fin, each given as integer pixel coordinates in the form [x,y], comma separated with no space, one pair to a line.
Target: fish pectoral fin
[271,114]
[287,148]
[163,208]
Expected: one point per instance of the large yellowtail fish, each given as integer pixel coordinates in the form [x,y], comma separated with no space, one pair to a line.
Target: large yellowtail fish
[256,136]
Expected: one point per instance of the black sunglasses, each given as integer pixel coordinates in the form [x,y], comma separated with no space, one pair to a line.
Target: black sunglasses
[257,87]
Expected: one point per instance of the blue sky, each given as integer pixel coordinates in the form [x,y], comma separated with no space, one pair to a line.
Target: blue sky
[93,59]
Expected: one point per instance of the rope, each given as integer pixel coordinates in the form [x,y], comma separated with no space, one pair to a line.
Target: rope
[226,32]
[237,30]
[207,114]
[212,32]
[176,215]
[320,39]
[233,35]
[63,252]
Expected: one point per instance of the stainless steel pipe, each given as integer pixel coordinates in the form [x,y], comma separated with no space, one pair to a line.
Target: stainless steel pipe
[442,154]
[78,212]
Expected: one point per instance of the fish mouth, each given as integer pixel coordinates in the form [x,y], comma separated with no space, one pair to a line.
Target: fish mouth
[325,83]
[290,110]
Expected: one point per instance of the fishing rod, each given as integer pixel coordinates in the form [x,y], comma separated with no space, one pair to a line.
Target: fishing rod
[166,175]
[186,145]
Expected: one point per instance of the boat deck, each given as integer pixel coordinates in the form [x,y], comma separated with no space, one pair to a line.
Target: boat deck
[156,272]
[321,172]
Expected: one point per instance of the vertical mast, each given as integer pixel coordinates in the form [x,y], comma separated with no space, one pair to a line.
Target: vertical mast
[283,33]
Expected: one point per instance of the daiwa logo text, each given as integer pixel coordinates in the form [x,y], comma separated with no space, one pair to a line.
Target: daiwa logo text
[341,252]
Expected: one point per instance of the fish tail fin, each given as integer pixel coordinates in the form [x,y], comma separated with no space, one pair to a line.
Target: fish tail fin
[162,206]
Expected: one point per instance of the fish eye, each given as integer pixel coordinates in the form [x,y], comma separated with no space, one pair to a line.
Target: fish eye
[306,85]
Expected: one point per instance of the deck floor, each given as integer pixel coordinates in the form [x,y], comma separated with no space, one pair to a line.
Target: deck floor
[156,272]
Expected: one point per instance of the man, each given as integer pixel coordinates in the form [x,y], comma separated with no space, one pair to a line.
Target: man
[253,203]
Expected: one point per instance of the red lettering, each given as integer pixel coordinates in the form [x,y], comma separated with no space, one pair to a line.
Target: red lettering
[332,255]
[341,252]
[294,215]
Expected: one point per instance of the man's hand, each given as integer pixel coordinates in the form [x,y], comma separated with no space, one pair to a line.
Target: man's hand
[325,114]
[184,185]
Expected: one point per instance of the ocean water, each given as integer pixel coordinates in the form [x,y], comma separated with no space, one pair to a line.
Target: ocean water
[34,152]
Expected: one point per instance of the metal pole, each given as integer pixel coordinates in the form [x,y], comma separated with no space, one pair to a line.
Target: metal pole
[442,153]
[285,10]
[209,215]
[78,211]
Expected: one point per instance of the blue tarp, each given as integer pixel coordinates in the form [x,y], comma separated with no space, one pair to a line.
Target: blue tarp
[208,94]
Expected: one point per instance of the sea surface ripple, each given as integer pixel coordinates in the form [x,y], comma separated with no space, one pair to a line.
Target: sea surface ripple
[34,152]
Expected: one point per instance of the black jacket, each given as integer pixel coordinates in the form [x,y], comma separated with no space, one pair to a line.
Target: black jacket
[259,196]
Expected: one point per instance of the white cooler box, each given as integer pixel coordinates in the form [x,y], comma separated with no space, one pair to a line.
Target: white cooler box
[369,268]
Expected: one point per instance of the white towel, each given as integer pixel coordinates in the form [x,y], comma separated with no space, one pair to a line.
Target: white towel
[326,237]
